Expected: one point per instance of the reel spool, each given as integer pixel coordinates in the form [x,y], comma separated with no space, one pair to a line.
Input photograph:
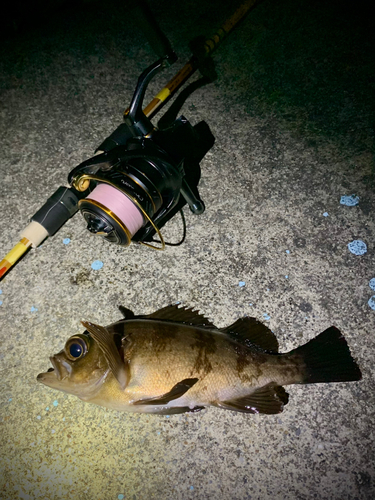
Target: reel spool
[111,214]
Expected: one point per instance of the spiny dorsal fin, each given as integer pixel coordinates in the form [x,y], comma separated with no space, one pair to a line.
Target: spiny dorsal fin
[269,399]
[180,314]
[127,313]
[105,341]
[251,331]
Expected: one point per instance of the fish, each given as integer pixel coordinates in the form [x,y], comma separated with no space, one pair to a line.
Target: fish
[175,361]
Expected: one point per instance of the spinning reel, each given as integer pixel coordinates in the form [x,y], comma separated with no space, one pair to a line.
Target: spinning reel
[141,176]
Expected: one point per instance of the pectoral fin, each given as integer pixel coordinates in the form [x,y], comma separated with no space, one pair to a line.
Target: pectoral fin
[105,341]
[268,399]
[177,391]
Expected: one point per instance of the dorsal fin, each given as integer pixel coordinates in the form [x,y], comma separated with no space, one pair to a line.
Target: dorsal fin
[250,330]
[106,343]
[127,313]
[182,315]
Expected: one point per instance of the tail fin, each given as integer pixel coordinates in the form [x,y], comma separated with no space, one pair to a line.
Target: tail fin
[327,358]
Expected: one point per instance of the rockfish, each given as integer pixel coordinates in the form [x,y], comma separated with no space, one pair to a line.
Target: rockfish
[175,360]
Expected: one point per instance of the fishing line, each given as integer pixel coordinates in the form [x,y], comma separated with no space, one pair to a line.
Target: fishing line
[183,234]
[119,205]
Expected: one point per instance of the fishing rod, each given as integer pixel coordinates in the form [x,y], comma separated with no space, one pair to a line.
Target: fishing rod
[141,175]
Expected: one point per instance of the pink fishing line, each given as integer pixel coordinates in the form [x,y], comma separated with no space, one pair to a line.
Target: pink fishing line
[119,204]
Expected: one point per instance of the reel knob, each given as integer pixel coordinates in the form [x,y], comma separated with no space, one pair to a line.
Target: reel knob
[97,225]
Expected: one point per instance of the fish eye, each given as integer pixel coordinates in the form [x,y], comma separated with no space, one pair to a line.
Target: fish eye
[76,348]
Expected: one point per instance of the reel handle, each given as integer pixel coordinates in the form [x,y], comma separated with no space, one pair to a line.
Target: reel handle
[196,205]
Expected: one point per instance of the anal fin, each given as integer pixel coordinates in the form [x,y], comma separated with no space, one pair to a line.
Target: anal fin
[177,391]
[269,399]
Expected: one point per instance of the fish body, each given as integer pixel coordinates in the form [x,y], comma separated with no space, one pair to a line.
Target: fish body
[175,360]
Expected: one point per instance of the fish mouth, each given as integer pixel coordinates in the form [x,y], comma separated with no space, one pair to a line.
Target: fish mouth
[53,373]
[56,367]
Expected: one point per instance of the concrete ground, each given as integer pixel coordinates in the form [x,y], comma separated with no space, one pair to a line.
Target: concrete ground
[292,112]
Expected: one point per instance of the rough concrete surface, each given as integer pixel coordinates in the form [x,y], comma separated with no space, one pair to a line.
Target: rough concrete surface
[292,112]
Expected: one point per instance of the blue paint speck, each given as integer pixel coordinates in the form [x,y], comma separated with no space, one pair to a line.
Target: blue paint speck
[66,241]
[372,284]
[371,302]
[47,409]
[10,399]
[120,496]
[349,201]
[33,309]
[1,302]
[55,403]
[266,316]
[1,292]
[286,276]
[191,488]
[287,251]
[250,304]
[38,417]
[358,247]
[325,214]
[96,265]
[241,284]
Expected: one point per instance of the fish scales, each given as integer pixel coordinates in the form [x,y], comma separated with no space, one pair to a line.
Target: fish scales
[163,354]
[175,360]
